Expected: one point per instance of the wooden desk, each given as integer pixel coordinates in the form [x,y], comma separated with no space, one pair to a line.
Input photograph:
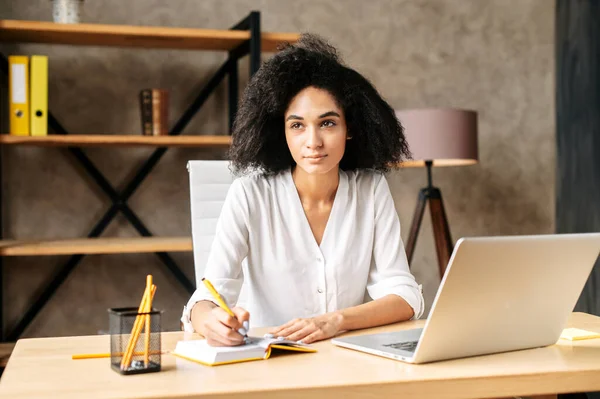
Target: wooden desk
[42,368]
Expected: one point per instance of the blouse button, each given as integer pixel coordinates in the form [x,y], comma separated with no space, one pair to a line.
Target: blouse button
[319,290]
[319,259]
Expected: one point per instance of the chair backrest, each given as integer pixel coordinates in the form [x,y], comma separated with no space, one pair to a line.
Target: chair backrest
[209,184]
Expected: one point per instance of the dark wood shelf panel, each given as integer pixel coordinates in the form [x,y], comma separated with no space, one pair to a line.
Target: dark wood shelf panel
[113,140]
[134,36]
[88,246]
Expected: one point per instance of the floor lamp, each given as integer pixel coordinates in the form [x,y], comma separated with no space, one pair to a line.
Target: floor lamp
[437,137]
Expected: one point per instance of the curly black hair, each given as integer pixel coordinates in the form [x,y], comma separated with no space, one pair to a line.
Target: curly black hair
[258,137]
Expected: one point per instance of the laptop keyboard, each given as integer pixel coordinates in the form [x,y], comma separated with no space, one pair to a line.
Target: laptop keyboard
[408,346]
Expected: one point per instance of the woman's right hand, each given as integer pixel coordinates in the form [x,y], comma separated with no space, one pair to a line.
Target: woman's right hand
[221,329]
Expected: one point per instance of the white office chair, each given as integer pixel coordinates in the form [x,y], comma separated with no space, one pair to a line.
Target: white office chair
[209,184]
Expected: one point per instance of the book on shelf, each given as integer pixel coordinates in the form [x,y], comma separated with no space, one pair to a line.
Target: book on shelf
[154,111]
[146,111]
[39,95]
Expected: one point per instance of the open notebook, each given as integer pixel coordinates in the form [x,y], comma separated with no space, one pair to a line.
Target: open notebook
[255,349]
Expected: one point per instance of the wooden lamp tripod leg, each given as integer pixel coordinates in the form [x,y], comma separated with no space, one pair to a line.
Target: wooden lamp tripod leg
[441,230]
[416,224]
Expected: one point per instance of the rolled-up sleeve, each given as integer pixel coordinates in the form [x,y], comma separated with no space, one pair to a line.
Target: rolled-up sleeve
[228,249]
[389,272]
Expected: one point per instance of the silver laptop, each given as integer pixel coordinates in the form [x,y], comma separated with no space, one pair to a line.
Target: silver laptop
[498,294]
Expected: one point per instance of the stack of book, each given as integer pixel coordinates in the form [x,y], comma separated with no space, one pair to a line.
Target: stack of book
[28,95]
[154,105]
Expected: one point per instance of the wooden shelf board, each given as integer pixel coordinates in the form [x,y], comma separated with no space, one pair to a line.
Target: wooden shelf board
[134,36]
[113,140]
[110,245]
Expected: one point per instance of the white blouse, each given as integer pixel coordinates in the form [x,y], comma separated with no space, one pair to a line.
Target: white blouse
[263,240]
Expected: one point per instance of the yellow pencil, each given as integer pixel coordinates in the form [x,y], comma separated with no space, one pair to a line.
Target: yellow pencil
[217,297]
[221,302]
[81,356]
[137,328]
[147,310]
[131,343]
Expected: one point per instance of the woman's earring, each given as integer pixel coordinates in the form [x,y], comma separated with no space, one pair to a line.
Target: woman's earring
[349,138]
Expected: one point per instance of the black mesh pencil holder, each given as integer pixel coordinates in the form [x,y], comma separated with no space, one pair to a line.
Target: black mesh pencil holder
[134,341]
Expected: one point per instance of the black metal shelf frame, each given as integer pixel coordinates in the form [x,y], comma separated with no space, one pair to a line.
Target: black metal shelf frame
[251,47]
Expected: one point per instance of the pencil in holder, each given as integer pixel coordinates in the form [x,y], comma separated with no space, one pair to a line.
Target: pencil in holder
[135,340]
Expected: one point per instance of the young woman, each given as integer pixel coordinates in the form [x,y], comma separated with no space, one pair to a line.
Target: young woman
[309,226]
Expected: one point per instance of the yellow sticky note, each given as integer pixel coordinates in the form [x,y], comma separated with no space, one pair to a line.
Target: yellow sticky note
[575,334]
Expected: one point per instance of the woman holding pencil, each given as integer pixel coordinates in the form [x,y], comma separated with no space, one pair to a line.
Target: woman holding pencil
[309,226]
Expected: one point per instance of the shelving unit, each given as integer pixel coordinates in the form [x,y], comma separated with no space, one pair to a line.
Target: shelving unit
[113,140]
[134,36]
[94,246]
[244,38]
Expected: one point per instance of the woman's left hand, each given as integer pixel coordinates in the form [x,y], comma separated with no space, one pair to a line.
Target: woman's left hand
[310,330]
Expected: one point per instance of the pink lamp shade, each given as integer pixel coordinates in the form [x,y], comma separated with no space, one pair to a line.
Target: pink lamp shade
[447,137]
